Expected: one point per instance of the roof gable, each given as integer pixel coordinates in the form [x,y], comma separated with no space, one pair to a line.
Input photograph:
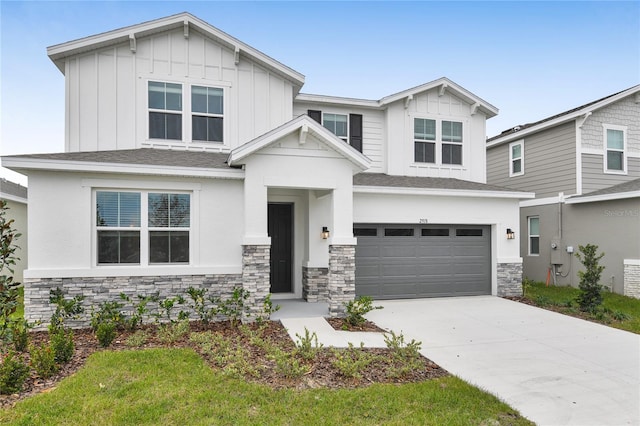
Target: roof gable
[58,53]
[304,125]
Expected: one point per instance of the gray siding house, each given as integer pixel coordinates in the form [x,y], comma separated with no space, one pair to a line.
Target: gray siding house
[584,167]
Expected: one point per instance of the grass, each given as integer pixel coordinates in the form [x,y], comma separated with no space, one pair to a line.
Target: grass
[175,387]
[617,311]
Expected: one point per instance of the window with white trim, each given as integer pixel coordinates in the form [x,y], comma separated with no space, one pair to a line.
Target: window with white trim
[165,110]
[516,158]
[615,160]
[128,221]
[207,108]
[337,124]
[534,235]
[437,142]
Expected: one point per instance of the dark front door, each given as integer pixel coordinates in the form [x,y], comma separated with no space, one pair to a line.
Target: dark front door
[280,217]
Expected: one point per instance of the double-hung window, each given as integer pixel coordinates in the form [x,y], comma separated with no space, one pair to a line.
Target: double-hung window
[424,136]
[516,158]
[615,156]
[451,142]
[337,124]
[534,235]
[207,109]
[142,227]
[165,110]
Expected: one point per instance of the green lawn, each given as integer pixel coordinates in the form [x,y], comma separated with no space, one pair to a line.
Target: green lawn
[175,387]
[617,311]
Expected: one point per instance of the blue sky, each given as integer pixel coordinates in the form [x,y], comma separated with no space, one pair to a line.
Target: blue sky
[529,59]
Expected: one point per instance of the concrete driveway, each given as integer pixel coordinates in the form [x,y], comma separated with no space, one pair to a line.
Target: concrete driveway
[554,369]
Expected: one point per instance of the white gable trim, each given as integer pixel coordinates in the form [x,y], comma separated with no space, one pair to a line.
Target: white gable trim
[184,20]
[603,197]
[304,124]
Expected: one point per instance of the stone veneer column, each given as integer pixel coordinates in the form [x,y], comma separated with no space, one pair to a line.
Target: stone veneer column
[509,278]
[255,278]
[315,284]
[632,278]
[341,278]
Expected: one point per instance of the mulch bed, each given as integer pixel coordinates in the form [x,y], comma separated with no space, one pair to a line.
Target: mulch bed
[321,371]
[341,324]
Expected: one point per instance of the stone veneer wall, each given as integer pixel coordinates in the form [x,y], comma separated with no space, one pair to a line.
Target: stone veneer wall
[315,284]
[509,278]
[255,278]
[97,290]
[341,278]
[632,278]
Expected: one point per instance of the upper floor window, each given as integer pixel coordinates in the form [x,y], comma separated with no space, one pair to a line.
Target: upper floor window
[337,123]
[426,137]
[451,142]
[207,108]
[424,131]
[142,227]
[165,110]
[516,158]
[615,154]
[534,235]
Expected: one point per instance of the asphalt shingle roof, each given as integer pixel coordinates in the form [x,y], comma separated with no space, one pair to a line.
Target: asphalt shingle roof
[381,179]
[633,185]
[12,188]
[142,156]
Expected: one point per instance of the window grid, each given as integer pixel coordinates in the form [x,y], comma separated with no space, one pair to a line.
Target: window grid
[615,158]
[165,110]
[534,235]
[516,158]
[437,141]
[338,124]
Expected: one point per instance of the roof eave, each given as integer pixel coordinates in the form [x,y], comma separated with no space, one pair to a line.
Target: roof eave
[602,197]
[372,189]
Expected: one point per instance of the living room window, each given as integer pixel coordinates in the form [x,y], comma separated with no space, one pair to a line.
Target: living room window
[207,105]
[337,124]
[142,227]
[615,160]
[516,158]
[534,235]
[165,110]
[424,136]
[451,142]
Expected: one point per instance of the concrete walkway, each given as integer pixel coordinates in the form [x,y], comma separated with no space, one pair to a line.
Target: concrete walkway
[554,369]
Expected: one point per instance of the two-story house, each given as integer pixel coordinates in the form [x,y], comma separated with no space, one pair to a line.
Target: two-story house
[584,167]
[192,159]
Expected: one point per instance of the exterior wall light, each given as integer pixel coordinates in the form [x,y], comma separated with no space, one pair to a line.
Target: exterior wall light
[325,233]
[510,234]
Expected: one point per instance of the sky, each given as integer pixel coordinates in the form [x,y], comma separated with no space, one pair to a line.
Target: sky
[529,59]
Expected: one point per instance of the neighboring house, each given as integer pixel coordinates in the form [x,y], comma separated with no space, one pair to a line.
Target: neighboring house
[15,196]
[584,166]
[192,159]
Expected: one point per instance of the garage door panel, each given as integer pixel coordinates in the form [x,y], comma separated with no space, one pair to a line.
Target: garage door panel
[425,264]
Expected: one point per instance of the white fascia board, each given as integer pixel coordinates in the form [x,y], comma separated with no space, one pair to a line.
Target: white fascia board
[489,110]
[603,197]
[134,169]
[361,189]
[331,140]
[335,100]
[11,197]
[563,118]
[60,51]
[541,201]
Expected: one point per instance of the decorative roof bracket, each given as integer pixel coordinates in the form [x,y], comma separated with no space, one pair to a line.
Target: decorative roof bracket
[583,118]
[304,131]
[186,28]
[442,89]
[237,55]
[474,108]
[407,101]
[132,43]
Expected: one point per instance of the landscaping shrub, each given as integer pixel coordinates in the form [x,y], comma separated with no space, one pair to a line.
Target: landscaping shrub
[233,307]
[62,344]
[8,288]
[358,308]
[65,308]
[287,364]
[590,297]
[307,345]
[20,335]
[105,333]
[13,373]
[43,361]
[172,332]
[137,339]
[351,362]
[109,312]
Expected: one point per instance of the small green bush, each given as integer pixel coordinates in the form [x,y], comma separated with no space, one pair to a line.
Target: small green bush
[106,333]
[307,345]
[137,339]
[108,312]
[590,297]
[172,332]
[20,336]
[13,373]
[62,344]
[65,308]
[287,364]
[43,361]
[234,306]
[358,308]
[351,362]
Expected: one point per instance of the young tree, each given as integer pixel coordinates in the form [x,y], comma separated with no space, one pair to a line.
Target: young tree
[590,296]
[8,258]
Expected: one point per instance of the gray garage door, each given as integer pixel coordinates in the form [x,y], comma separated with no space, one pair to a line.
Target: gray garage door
[407,261]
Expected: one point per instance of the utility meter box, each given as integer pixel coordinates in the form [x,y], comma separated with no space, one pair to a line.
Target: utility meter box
[557,256]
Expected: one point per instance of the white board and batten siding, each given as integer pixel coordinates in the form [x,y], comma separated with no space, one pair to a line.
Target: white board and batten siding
[549,163]
[373,129]
[106,92]
[430,104]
